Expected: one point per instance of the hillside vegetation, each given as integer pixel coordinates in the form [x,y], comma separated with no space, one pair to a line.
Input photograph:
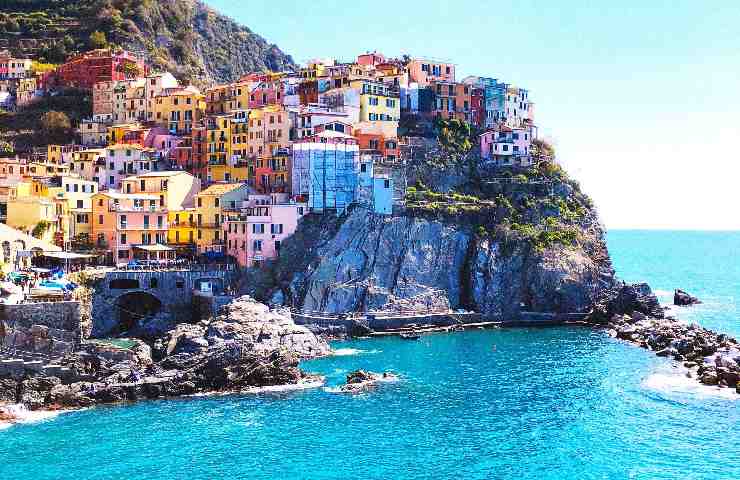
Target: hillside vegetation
[186,37]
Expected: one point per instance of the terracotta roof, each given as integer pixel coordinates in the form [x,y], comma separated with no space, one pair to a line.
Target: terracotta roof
[221,188]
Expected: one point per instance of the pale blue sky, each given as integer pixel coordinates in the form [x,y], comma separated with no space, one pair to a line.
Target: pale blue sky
[641,100]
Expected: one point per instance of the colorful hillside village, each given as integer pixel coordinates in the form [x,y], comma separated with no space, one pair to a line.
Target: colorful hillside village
[166,171]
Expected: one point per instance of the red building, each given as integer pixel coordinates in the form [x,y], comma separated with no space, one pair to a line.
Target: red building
[477,107]
[374,140]
[272,174]
[308,92]
[89,68]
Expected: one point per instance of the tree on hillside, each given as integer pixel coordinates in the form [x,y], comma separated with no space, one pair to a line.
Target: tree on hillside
[454,135]
[97,40]
[55,124]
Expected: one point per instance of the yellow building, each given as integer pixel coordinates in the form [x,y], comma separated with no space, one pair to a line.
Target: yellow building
[182,229]
[224,99]
[73,204]
[39,169]
[28,188]
[60,153]
[210,213]
[218,139]
[116,132]
[239,134]
[33,215]
[378,102]
[179,109]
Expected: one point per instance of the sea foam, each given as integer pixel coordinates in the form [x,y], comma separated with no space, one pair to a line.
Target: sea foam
[679,383]
[24,415]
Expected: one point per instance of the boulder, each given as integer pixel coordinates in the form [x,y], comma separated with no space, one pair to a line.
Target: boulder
[682,298]
[8,390]
[34,393]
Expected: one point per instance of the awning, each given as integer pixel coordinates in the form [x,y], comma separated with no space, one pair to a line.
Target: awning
[67,255]
[157,247]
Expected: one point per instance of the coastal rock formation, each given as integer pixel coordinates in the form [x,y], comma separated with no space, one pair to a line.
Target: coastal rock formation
[247,345]
[682,299]
[361,381]
[711,357]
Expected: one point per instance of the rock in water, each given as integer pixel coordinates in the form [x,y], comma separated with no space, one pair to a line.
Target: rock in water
[361,381]
[683,299]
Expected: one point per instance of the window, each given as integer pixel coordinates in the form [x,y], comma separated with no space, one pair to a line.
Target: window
[258,228]
[179,283]
[100,219]
[363,168]
[200,202]
[142,185]
[216,202]
[257,245]
[123,254]
[276,228]
[123,239]
[153,282]
[146,221]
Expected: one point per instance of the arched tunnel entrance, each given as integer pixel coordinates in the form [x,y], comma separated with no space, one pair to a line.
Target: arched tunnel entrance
[134,306]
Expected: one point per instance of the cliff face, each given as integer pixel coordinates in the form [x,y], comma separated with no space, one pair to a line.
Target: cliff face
[375,263]
[496,250]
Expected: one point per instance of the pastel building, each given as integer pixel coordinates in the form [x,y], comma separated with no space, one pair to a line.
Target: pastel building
[179,109]
[14,68]
[124,160]
[210,206]
[94,131]
[123,222]
[425,71]
[378,101]
[90,164]
[73,218]
[345,99]
[175,190]
[256,231]
[507,146]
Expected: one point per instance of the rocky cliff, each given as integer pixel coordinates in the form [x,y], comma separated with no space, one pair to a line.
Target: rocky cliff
[186,37]
[494,242]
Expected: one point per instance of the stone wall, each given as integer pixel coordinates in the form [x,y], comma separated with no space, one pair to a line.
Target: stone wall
[173,289]
[51,328]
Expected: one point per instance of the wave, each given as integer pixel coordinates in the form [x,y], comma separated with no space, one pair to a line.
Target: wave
[663,293]
[24,415]
[389,379]
[285,388]
[680,383]
[344,352]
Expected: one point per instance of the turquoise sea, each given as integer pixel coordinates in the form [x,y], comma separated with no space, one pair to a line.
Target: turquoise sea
[552,403]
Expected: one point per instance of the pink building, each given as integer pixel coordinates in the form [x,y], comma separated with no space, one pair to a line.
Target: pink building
[373,58]
[507,146]
[424,71]
[255,233]
[123,223]
[266,90]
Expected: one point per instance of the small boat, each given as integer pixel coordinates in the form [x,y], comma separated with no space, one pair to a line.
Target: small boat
[410,336]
